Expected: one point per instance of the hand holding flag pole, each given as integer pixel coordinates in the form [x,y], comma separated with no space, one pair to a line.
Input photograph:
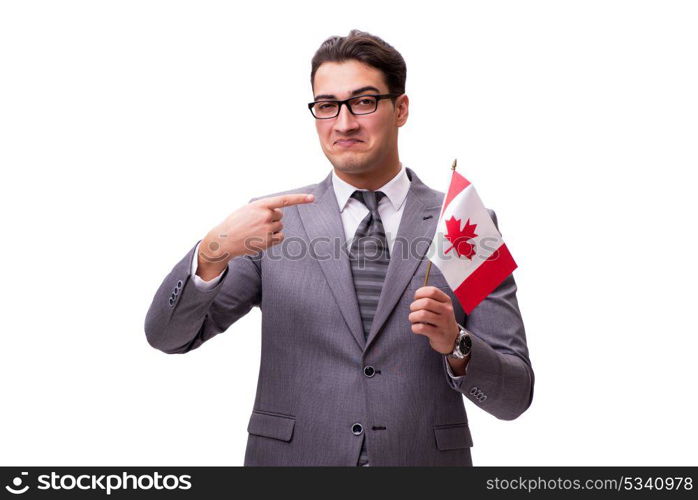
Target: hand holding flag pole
[432,315]
[475,263]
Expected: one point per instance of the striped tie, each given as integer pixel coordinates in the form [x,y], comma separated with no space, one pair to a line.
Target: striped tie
[369,256]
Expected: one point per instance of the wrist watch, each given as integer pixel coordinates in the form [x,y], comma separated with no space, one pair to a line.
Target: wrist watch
[463,344]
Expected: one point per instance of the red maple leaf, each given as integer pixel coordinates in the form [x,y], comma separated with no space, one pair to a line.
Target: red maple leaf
[459,238]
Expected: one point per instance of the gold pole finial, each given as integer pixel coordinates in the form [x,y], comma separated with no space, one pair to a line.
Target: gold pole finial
[455,161]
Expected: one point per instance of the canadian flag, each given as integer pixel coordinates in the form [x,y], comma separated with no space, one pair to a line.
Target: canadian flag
[467,247]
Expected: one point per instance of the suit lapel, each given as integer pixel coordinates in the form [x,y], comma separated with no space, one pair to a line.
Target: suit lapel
[323,225]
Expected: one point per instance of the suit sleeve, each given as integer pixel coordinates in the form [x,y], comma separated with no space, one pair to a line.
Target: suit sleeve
[182,316]
[499,377]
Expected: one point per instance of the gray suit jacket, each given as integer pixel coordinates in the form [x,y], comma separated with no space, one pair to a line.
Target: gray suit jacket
[313,388]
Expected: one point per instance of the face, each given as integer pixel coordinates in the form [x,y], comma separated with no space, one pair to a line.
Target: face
[362,143]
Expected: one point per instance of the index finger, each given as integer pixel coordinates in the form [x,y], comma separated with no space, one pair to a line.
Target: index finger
[286,200]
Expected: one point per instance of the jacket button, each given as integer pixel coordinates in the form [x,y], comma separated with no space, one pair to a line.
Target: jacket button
[171,301]
[369,371]
[179,284]
[357,429]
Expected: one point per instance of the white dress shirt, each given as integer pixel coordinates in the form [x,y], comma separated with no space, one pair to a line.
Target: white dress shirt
[352,212]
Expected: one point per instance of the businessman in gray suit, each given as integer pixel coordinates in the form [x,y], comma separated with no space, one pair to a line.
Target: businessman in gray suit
[361,364]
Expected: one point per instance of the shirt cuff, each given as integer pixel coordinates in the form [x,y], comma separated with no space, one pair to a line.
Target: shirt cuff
[199,282]
[456,378]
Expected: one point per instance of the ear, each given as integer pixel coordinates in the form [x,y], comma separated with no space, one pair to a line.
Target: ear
[402,110]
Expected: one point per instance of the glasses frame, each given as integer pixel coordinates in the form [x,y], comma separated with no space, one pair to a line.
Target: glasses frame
[346,102]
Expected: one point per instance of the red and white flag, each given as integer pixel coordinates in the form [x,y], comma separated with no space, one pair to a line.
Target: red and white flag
[467,247]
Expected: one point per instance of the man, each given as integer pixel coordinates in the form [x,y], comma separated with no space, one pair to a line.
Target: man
[360,362]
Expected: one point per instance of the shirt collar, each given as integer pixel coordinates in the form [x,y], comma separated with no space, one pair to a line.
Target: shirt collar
[395,189]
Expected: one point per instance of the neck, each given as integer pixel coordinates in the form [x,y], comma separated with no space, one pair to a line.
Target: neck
[372,179]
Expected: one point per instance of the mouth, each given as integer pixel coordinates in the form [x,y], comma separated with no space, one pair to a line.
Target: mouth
[347,143]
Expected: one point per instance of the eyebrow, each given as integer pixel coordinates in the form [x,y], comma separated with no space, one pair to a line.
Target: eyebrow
[355,92]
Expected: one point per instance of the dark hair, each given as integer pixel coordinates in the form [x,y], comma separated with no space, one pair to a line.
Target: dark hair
[368,49]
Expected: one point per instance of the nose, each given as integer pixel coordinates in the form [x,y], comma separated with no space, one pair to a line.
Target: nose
[345,121]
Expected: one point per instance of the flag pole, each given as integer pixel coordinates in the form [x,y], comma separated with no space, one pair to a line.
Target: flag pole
[426,278]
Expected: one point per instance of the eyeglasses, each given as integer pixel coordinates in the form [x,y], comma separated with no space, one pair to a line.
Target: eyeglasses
[359,105]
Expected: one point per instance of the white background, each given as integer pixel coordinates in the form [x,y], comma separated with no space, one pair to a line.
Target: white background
[128,129]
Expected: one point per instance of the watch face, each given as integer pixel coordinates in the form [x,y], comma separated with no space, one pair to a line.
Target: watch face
[465,344]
